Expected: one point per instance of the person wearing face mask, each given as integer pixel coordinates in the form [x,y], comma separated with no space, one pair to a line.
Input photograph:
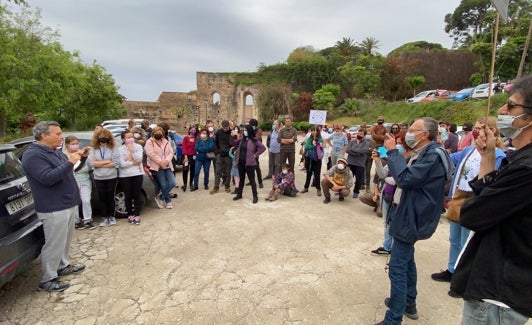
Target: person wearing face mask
[249,149]
[449,140]
[283,183]
[378,132]
[415,210]
[339,179]
[160,156]
[274,150]
[494,270]
[258,135]
[189,157]
[139,135]
[313,159]
[339,144]
[357,152]
[467,138]
[468,164]
[82,176]
[204,144]
[128,158]
[103,149]
[222,144]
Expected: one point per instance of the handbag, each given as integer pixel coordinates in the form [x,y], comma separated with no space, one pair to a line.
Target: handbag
[453,209]
[211,155]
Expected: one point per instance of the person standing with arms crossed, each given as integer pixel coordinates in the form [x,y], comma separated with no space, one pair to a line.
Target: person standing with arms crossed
[51,175]
[287,138]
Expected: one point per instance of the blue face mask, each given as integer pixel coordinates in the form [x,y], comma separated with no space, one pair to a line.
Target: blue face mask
[273,127]
[401,149]
[245,133]
[330,130]
[368,136]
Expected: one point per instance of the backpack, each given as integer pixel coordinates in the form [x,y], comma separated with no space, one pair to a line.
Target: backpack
[449,168]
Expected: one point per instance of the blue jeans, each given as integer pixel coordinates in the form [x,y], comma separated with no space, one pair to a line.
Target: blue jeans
[165,179]
[484,313]
[388,239]
[403,279]
[457,238]
[206,165]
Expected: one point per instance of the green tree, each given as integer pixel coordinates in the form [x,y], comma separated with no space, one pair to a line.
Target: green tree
[369,44]
[326,97]
[273,101]
[416,81]
[468,18]
[346,47]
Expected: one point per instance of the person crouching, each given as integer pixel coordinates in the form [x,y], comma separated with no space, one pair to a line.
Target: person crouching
[339,178]
[283,183]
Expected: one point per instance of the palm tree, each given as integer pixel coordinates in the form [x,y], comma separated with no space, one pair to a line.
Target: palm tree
[369,44]
[346,47]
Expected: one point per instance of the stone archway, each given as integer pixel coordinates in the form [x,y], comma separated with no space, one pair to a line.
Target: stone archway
[248,105]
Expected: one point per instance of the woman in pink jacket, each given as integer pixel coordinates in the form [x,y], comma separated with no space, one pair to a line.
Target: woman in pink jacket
[160,153]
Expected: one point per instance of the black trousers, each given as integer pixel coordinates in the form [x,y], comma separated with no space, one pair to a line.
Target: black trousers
[290,156]
[250,171]
[190,169]
[313,168]
[132,187]
[106,196]
[358,172]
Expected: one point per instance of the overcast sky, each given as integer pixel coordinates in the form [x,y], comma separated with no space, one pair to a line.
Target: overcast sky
[158,45]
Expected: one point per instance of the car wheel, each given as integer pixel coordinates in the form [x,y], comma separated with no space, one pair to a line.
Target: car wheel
[120,203]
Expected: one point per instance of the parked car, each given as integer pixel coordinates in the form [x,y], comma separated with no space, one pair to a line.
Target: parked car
[426,96]
[462,94]
[148,184]
[481,91]
[178,139]
[21,233]
[354,131]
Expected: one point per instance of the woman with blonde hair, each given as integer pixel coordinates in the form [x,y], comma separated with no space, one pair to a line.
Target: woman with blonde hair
[467,164]
[103,150]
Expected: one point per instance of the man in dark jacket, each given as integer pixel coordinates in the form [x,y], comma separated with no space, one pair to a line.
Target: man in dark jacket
[222,144]
[56,196]
[414,213]
[494,272]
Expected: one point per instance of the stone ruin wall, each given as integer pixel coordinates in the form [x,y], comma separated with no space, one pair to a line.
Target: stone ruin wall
[181,109]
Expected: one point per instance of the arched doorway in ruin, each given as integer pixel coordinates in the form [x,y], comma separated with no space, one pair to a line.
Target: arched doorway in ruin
[248,103]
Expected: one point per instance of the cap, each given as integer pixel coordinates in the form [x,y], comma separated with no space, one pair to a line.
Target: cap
[342,160]
[380,118]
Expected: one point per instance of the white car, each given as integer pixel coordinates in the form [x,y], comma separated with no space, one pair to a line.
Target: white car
[481,91]
[422,97]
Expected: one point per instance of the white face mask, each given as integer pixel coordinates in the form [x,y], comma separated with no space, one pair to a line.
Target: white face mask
[340,166]
[410,139]
[285,171]
[505,126]
[210,128]
[203,136]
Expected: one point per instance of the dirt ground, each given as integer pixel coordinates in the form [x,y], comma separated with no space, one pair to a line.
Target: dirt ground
[212,260]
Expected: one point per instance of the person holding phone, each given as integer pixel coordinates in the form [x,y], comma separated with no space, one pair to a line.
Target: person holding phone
[357,152]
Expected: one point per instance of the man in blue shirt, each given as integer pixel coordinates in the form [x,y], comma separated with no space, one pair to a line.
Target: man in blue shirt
[56,196]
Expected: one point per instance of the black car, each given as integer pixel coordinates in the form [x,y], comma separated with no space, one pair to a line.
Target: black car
[84,137]
[21,233]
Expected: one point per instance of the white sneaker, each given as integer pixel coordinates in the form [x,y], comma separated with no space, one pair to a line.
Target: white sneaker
[112,221]
[104,222]
[159,202]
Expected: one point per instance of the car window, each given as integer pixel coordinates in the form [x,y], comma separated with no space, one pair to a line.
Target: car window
[10,167]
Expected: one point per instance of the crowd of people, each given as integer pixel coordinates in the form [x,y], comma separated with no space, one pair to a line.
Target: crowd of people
[422,170]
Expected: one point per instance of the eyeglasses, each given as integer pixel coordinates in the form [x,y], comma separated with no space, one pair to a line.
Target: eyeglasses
[511,105]
[395,129]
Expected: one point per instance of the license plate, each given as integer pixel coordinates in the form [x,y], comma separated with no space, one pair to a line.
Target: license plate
[19,204]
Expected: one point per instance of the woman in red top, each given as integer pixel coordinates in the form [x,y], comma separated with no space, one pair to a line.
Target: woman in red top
[189,141]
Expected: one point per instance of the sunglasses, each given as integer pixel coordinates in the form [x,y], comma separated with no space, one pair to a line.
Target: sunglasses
[511,105]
